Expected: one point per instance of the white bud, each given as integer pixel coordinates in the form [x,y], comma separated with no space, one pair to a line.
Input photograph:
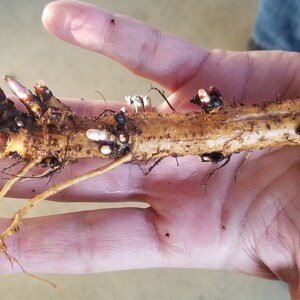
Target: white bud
[203,95]
[105,149]
[102,135]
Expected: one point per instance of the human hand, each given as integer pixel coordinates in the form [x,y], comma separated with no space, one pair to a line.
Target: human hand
[251,226]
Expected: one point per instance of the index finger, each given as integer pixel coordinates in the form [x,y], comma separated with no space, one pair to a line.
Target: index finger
[171,62]
[144,50]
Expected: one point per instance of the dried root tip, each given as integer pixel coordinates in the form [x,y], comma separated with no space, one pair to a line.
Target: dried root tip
[32,103]
[209,101]
[162,93]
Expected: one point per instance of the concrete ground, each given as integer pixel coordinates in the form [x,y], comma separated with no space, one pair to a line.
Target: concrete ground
[29,53]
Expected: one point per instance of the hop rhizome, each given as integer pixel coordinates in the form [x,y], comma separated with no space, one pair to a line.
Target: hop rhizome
[50,135]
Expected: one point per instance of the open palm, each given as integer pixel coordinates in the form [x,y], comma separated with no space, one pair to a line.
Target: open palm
[251,226]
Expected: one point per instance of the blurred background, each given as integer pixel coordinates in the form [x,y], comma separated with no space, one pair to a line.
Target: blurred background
[29,53]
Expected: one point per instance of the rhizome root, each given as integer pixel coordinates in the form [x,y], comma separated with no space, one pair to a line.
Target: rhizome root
[50,135]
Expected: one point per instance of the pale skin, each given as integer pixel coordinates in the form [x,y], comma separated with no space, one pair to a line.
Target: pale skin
[251,226]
